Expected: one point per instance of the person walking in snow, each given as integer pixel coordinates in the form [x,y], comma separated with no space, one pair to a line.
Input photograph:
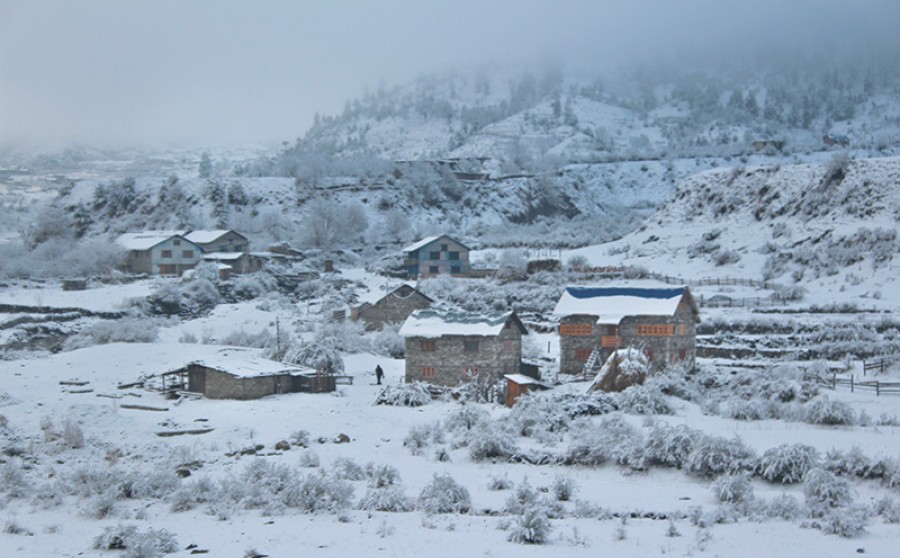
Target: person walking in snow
[379,373]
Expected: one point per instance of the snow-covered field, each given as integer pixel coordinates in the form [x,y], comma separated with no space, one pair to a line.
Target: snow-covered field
[55,498]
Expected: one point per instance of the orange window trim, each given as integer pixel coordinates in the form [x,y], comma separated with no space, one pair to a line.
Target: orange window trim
[576,330]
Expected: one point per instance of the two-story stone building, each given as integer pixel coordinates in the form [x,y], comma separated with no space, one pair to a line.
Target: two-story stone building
[392,308]
[436,255]
[595,321]
[451,348]
[159,252]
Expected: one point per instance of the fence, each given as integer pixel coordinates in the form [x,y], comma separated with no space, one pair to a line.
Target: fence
[876,366]
[879,387]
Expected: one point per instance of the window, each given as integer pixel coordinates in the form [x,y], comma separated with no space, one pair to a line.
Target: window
[187,254]
[682,354]
[508,346]
[166,254]
[444,247]
[429,372]
[434,255]
[656,330]
[433,269]
[610,341]
[454,255]
[683,329]
[470,346]
[428,345]
[176,242]
[579,330]
[454,269]
[471,372]
[582,354]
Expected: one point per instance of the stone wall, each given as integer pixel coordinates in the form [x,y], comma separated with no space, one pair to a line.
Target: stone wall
[495,355]
[392,309]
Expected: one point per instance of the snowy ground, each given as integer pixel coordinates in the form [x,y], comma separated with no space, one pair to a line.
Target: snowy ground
[122,439]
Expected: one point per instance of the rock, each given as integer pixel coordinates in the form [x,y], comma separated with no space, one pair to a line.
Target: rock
[342,439]
[282,445]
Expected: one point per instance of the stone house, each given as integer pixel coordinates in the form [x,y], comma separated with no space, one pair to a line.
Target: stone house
[596,321]
[159,252]
[237,373]
[228,249]
[392,308]
[436,255]
[451,348]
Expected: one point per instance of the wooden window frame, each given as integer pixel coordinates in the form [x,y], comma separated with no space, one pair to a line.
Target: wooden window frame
[576,330]
[429,372]
[583,354]
[428,345]
[165,253]
[470,346]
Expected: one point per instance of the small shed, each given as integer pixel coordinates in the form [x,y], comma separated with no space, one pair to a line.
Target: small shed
[392,308]
[237,373]
[520,384]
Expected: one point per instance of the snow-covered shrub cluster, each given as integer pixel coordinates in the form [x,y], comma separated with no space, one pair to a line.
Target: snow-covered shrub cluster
[787,463]
[136,544]
[444,495]
[131,329]
[188,299]
[406,395]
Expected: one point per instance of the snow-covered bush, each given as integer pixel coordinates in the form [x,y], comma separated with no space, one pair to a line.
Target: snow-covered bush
[255,285]
[320,355]
[612,440]
[387,499]
[415,394]
[783,506]
[191,298]
[444,495]
[538,415]
[423,435]
[381,476]
[824,490]
[849,522]
[149,544]
[523,496]
[712,456]
[300,438]
[532,526]
[13,481]
[497,482]
[123,330]
[823,410]
[564,488]
[388,342]
[466,417]
[345,468]
[308,458]
[733,489]
[745,409]
[317,492]
[643,400]
[241,338]
[787,463]
[489,441]
[670,445]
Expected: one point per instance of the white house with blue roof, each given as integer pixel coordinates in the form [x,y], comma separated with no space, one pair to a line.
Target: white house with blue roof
[595,321]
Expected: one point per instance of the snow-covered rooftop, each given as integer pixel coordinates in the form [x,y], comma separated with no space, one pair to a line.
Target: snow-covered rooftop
[205,237]
[223,256]
[145,240]
[424,242]
[241,362]
[433,324]
[611,304]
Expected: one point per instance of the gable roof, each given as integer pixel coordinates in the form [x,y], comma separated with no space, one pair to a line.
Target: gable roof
[145,240]
[434,324]
[611,304]
[242,363]
[205,237]
[428,240]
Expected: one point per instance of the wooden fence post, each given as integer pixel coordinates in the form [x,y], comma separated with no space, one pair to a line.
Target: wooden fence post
[877,388]
[851,383]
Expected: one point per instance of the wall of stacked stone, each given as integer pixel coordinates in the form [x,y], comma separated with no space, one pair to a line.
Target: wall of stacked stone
[450,359]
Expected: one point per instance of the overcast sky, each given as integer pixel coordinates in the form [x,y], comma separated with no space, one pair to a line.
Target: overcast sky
[224,72]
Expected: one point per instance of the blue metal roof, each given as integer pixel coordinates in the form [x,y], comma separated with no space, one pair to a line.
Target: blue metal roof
[596,292]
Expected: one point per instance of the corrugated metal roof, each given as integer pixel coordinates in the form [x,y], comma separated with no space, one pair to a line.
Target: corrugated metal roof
[145,240]
[611,304]
[434,324]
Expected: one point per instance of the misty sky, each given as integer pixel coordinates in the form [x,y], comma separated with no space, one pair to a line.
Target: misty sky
[123,73]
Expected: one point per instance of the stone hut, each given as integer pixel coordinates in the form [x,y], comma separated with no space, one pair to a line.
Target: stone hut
[451,348]
[436,255]
[595,321]
[392,308]
[237,373]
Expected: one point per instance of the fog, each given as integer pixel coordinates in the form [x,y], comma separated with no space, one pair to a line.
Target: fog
[122,73]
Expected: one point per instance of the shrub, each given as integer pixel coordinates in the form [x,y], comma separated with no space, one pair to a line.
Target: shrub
[382,476]
[564,488]
[733,489]
[466,417]
[388,499]
[613,439]
[744,409]
[523,496]
[490,442]
[854,463]
[444,495]
[317,492]
[784,506]
[822,410]
[643,400]
[532,527]
[405,395]
[847,522]
[823,490]
[421,436]
[787,463]
[714,455]
[150,544]
[500,482]
[123,330]
[308,458]
[671,446]
[345,468]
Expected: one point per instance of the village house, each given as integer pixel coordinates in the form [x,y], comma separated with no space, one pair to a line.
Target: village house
[239,373]
[174,252]
[436,255]
[595,321]
[451,348]
[392,308]
[159,252]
